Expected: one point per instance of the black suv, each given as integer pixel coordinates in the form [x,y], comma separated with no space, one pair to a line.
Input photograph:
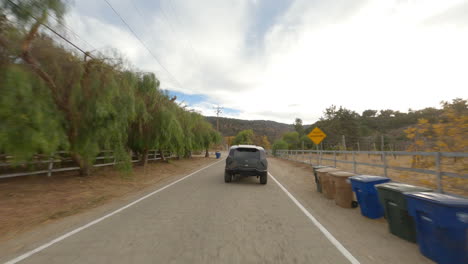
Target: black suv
[246,160]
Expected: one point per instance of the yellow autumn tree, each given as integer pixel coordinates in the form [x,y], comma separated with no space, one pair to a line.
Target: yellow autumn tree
[265,143]
[449,134]
[229,140]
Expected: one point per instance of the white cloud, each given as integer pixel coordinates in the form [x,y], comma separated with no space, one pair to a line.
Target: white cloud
[359,54]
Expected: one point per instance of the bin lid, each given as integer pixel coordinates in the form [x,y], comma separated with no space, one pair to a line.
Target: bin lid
[342,174]
[440,198]
[327,169]
[401,187]
[320,166]
[368,178]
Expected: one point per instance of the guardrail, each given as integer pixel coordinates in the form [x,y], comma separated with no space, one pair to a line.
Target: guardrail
[317,157]
[105,156]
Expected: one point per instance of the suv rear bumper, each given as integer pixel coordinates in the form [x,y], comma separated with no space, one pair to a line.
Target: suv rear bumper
[246,171]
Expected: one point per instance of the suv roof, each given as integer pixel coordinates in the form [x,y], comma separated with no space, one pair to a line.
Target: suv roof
[247,146]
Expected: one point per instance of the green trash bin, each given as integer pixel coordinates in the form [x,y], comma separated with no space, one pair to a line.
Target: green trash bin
[317,181]
[392,198]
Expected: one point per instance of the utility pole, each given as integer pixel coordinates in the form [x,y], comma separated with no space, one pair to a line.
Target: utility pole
[218,111]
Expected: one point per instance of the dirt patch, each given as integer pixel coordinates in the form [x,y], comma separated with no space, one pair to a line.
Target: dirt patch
[26,202]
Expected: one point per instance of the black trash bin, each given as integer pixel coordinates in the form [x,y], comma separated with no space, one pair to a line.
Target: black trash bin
[392,198]
[317,180]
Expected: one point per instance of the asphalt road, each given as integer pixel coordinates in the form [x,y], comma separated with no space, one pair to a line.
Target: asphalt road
[201,219]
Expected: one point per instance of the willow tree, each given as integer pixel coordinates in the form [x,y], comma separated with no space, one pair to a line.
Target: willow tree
[30,123]
[93,98]
[170,134]
[142,128]
[186,123]
[206,135]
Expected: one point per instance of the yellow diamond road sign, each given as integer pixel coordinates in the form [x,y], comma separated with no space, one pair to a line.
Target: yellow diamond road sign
[316,135]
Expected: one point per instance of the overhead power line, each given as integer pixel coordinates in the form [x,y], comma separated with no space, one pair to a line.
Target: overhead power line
[51,29]
[64,26]
[142,43]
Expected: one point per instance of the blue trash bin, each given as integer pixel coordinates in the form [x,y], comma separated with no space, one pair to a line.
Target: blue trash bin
[366,194]
[218,154]
[441,226]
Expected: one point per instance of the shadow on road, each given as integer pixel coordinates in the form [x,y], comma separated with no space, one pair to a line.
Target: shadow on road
[246,181]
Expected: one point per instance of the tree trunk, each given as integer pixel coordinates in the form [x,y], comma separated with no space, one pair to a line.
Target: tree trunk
[207,154]
[85,167]
[161,154]
[144,158]
[188,154]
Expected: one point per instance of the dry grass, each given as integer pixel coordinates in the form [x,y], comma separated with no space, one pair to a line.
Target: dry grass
[452,185]
[26,202]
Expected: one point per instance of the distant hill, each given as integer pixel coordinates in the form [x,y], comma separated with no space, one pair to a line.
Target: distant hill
[231,126]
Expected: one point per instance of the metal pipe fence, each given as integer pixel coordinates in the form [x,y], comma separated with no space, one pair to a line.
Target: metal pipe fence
[436,167]
[52,161]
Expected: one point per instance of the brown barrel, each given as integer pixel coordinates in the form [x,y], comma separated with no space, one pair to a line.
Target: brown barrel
[343,191]
[327,185]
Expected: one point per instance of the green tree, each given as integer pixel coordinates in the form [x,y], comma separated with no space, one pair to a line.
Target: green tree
[308,144]
[338,122]
[298,127]
[93,97]
[292,139]
[244,137]
[148,104]
[279,145]
[30,123]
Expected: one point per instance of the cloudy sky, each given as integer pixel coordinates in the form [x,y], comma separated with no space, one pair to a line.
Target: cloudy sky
[282,59]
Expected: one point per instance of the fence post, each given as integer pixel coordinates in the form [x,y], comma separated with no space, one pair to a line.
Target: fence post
[51,165]
[354,162]
[310,158]
[317,152]
[334,157]
[384,159]
[439,173]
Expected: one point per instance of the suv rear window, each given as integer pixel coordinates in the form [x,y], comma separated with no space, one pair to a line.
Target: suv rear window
[246,153]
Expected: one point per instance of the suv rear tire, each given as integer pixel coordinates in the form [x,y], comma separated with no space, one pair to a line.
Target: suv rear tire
[263,178]
[227,177]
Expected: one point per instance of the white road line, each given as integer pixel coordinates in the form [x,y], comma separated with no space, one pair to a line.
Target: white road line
[58,239]
[327,234]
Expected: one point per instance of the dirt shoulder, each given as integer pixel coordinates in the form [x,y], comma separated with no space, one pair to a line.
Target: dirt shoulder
[367,239]
[30,202]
